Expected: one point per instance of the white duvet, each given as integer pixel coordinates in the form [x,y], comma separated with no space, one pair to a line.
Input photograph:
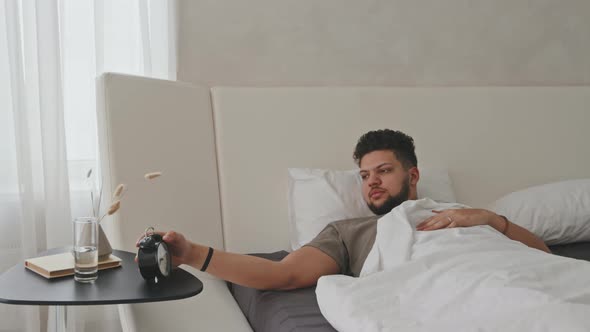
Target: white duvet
[458,279]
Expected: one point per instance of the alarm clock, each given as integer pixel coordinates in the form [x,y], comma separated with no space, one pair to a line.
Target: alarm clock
[153,257]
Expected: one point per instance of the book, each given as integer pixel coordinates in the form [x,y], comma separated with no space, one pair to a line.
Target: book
[61,265]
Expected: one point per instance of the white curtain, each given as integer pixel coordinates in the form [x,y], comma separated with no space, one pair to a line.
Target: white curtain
[50,54]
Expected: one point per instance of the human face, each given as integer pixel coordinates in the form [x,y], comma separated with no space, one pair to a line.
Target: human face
[386,184]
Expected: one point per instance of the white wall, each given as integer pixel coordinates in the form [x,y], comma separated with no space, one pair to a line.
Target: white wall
[384,42]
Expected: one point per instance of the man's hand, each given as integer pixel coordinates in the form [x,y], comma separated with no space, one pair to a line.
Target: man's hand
[459,218]
[180,248]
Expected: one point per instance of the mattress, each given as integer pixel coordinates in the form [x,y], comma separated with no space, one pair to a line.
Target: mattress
[579,250]
[298,310]
[277,311]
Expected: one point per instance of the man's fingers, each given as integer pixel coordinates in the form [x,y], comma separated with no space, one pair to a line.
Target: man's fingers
[429,222]
[422,224]
[170,237]
[143,235]
[427,226]
[436,224]
[432,228]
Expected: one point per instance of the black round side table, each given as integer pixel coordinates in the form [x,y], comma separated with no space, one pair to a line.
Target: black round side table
[118,285]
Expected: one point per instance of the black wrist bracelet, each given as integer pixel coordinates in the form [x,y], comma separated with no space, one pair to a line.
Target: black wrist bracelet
[207,260]
[506,224]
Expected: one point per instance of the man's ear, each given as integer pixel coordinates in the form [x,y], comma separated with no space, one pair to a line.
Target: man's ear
[414,175]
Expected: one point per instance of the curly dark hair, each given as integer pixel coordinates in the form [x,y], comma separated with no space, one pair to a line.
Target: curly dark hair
[401,144]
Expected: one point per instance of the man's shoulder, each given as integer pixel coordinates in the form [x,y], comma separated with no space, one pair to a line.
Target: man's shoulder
[345,223]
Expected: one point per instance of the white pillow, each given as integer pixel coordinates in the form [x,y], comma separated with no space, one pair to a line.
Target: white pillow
[556,212]
[320,196]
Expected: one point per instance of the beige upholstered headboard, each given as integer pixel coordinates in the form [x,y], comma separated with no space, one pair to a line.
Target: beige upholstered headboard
[155,125]
[493,140]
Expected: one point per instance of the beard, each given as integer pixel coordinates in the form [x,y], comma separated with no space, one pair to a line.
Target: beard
[392,201]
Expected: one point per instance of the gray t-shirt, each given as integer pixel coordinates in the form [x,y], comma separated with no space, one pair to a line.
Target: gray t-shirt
[348,242]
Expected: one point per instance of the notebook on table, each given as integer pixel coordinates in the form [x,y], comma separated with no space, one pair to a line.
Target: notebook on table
[61,265]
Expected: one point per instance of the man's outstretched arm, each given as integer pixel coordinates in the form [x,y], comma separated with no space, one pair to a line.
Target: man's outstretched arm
[301,268]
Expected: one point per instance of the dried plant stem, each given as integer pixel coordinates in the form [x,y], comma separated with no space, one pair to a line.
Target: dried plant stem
[119,191]
[94,214]
[152,175]
[112,209]
[99,196]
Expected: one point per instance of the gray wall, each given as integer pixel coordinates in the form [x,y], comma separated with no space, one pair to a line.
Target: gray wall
[384,42]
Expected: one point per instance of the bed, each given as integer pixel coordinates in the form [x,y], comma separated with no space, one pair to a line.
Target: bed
[225,152]
[299,311]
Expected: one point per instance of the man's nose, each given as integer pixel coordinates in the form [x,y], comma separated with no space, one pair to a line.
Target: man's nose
[374,179]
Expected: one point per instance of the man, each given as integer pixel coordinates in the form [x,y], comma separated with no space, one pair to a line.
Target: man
[389,172]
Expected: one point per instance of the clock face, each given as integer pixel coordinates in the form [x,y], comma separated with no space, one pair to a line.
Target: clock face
[163,263]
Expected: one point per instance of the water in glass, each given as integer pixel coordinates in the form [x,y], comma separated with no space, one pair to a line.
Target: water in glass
[86,260]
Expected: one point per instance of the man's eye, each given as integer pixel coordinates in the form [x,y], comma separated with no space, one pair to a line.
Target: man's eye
[364,176]
[384,170]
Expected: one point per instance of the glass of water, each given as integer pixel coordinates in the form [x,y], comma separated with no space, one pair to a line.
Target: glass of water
[85,249]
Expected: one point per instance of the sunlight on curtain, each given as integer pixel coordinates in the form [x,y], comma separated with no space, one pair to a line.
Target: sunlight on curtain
[51,51]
